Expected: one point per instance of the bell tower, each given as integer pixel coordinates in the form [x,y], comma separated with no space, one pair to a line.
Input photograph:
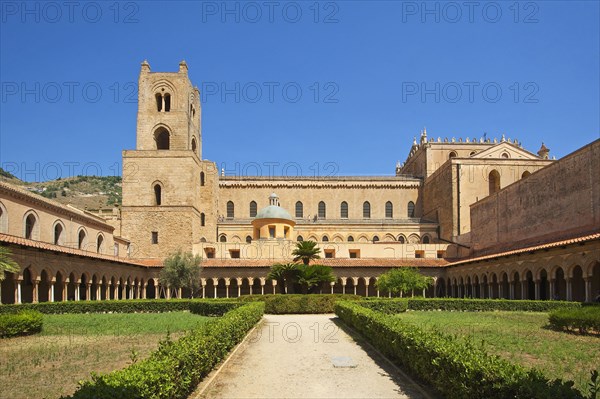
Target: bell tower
[169,193]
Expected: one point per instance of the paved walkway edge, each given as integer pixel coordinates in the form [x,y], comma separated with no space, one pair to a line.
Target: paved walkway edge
[206,383]
[364,341]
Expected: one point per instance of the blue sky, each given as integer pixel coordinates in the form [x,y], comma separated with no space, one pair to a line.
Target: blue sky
[352,81]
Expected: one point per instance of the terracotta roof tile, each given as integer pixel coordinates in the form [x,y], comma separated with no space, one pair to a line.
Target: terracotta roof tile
[548,245]
[10,239]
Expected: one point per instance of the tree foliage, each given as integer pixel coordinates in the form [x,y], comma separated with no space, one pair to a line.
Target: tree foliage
[286,275]
[311,278]
[298,276]
[7,264]
[405,279]
[306,251]
[182,270]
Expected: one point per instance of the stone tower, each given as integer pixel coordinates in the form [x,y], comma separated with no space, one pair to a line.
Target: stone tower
[169,193]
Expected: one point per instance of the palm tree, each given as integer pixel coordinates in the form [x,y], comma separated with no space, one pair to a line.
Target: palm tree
[7,264]
[306,251]
[312,277]
[286,275]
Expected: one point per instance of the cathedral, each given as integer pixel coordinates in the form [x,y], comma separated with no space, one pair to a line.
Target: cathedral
[484,217]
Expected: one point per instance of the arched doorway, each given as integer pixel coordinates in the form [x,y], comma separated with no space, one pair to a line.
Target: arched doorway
[150,289]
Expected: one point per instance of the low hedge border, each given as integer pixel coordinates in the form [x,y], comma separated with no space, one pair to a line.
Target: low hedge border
[483,305]
[455,368]
[585,320]
[26,322]
[120,306]
[299,303]
[176,368]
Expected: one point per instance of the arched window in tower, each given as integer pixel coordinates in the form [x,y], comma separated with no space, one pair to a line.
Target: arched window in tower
[162,139]
[322,210]
[376,239]
[366,210]
[167,98]
[202,219]
[99,244]
[201,178]
[159,102]
[230,209]
[81,239]
[411,209]
[253,209]
[452,155]
[194,145]
[30,226]
[58,230]
[389,210]
[494,181]
[344,210]
[299,209]
[157,195]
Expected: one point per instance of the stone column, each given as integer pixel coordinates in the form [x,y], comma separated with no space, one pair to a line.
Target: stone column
[424,292]
[552,288]
[98,292]
[251,284]
[168,292]
[367,282]
[482,290]
[227,283]
[215,284]
[145,290]
[569,288]
[64,291]
[239,286]
[500,290]
[343,284]
[124,290]
[18,291]
[588,289]
[511,290]
[77,289]
[179,292]
[331,284]
[36,284]
[203,282]
[51,292]
[537,289]
[274,282]
[355,283]
[88,291]
[524,287]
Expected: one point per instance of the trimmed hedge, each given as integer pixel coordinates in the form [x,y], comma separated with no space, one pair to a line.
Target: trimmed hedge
[120,306]
[486,305]
[23,323]
[387,306]
[213,307]
[455,368]
[299,303]
[585,320]
[176,368]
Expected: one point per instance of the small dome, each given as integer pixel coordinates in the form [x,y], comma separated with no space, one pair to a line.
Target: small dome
[273,212]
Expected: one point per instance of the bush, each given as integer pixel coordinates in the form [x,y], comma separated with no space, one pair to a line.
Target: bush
[23,323]
[585,320]
[456,368]
[387,306]
[174,370]
[213,307]
[486,305]
[120,306]
[299,303]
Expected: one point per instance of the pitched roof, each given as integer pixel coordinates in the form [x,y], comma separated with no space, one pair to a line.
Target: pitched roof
[10,239]
[547,245]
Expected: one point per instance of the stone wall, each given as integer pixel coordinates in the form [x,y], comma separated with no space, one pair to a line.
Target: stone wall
[561,198]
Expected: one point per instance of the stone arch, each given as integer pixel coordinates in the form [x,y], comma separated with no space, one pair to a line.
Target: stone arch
[516,284]
[389,238]
[363,238]
[162,137]
[82,238]
[100,243]
[236,238]
[223,238]
[402,239]
[45,282]
[560,283]
[313,238]
[414,239]
[157,191]
[525,174]
[426,239]
[577,284]
[58,232]
[31,225]
[222,288]
[504,286]
[27,277]
[83,292]
[337,238]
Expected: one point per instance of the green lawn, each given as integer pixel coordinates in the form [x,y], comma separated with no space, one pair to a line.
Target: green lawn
[120,323]
[71,346]
[521,337]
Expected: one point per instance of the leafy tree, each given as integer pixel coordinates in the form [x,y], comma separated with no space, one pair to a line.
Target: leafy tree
[7,264]
[286,275]
[405,279]
[182,270]
[306,251]
[311,278]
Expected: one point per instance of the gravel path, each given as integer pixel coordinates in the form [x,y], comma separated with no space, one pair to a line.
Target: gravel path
[305,356]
